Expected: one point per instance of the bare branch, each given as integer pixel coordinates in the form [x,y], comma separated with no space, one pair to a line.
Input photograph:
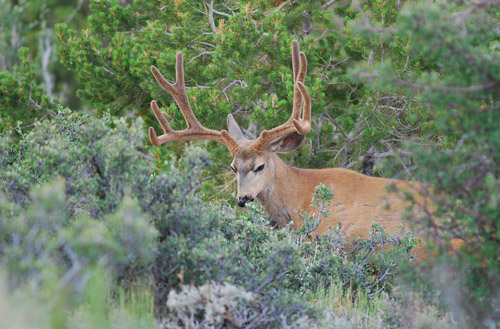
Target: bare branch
[278,8]
[46,49]
[211,15]
[75,11]
[268,281]
[328,4]
[221,13]
[205,53]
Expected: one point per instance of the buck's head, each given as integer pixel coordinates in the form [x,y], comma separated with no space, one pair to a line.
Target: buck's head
[253,160]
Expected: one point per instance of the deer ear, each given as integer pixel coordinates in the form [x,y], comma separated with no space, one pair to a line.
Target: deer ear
[234,129]
[286,144]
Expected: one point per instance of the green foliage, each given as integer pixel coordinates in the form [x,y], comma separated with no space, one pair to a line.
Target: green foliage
[41,244]
[29,24]
[101,307]
[321,198]
[106,307]
[78,194]
[459,81]
[416,84]
[78,223]
[237,60]
[214,305]
[99,163]
[23,101]
[345,308]
[113,56]
[366,265]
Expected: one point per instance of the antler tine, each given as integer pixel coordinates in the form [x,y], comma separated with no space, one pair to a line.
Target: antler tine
[300,95]
[194,130]
[296,69]
[295,59]
[299,74]
[178,90]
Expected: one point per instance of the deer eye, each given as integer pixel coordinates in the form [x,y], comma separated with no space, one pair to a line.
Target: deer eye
[233,168]
[259,168]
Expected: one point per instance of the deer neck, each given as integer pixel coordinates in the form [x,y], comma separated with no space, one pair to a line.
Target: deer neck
[281,198]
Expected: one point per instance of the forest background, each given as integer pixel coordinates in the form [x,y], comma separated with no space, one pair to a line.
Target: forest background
[100,229]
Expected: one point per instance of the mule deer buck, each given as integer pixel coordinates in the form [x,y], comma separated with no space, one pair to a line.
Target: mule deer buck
[280,188]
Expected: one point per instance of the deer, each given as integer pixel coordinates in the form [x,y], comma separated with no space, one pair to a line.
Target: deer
[280,188]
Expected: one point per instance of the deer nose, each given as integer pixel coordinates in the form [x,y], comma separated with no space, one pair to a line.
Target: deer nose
[243,200]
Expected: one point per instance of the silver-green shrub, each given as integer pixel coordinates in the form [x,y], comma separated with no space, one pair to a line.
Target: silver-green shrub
[80,192]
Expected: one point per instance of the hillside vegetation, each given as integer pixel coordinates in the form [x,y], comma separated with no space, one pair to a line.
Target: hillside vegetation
[100,229]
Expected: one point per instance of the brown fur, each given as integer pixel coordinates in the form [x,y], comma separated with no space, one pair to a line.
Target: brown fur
[358,201]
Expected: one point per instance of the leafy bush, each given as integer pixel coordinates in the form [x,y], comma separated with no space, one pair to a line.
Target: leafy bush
[102,306]
[237,60]
[23,101]
[345,309]
[78,193]
[82,224]
[459,81]
[40,244]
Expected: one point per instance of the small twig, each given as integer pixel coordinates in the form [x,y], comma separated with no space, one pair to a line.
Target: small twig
[136,31]
[106,70]
[270,280]
[201,54]
[278,8]
[211,16]
[75,11]
[228,8]
[206,44]
[225,187]
[221,13]
[328,4]
[46,49]
[229,86]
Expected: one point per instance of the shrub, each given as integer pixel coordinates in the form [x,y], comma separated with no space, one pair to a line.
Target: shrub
[40,245]
[79,193]
[367,264]
[227,306]
[459,81]
[83,225]
[23,101]
[237,60]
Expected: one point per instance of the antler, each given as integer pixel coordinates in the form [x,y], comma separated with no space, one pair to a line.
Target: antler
[300,93]
[194,130]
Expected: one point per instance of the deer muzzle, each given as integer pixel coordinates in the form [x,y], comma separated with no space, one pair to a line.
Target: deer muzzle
[243,200]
